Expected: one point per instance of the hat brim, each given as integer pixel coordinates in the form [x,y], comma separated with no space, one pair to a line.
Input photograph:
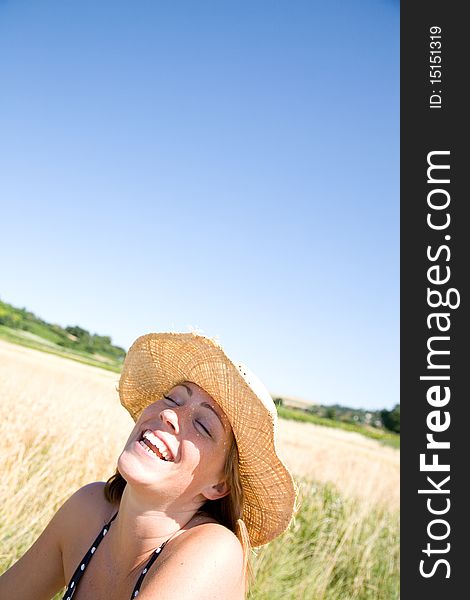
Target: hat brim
[156,362]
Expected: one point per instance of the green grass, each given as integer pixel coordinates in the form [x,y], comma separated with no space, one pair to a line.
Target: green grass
[336,549]
[383,436]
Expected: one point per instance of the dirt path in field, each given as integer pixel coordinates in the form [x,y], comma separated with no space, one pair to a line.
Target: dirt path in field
[35,388]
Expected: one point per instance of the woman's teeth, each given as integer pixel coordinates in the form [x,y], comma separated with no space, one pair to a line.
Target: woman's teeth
[154,446]
[149,450]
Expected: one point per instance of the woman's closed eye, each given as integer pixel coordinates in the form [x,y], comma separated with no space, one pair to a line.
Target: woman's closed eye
[171,400]
[201,425]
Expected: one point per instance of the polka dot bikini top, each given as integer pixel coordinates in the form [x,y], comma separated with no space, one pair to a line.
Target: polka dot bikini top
[72,586]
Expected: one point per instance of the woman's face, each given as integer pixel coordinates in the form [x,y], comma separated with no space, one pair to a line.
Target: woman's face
[179,446]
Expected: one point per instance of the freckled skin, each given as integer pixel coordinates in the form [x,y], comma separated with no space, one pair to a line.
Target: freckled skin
[199,456]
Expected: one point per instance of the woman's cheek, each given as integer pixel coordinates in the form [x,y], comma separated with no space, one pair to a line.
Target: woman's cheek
[192,451]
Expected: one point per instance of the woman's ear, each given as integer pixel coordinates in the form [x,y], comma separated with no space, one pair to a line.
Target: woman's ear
[214,492]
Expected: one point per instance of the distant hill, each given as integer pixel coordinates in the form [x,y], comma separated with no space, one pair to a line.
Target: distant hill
[23,327]
[319,413]
[335,411]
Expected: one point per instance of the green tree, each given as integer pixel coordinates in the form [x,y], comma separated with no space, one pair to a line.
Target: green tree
[391,418]
[330,413]
[81,334]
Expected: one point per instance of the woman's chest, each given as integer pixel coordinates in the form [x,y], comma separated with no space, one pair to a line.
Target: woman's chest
[91,570]
[101,579]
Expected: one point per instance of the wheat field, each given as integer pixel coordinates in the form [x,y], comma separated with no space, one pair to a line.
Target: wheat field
[62,426]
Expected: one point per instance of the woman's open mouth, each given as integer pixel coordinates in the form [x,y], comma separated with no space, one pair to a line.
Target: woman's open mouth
[155,447]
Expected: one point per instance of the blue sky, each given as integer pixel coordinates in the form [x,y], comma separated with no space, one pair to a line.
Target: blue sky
[227,166]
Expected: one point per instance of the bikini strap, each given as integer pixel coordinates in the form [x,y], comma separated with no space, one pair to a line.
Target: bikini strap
[155,554]
[112,519]
[72,586]
[153,558]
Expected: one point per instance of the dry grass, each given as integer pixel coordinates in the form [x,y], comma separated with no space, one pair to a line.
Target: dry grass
[62,426]
[358,466]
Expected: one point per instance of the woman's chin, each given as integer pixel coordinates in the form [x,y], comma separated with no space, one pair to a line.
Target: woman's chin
[131,468]
[136,466]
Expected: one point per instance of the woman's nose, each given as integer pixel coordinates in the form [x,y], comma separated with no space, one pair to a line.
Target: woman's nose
[170,418]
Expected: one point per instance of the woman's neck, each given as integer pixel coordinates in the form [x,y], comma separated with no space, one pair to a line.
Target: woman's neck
[143,524]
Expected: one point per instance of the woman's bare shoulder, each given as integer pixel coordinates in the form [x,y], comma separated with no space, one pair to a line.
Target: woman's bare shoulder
[209,532]
[42,567]
[89,498]
[86,509]
[205,561]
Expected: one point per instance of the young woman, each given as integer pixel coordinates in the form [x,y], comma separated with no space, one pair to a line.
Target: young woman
[198,483]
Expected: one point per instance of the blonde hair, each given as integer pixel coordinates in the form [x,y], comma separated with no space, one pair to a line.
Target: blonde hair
[227,511]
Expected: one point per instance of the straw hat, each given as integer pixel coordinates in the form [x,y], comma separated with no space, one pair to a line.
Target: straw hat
[158,361]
